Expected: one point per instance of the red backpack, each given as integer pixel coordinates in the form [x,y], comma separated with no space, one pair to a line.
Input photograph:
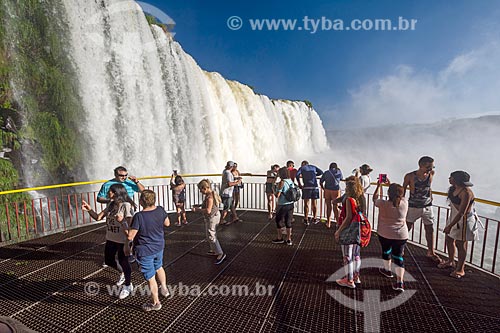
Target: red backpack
[358,216]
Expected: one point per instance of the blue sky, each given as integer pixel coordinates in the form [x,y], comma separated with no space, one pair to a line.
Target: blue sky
[448,64]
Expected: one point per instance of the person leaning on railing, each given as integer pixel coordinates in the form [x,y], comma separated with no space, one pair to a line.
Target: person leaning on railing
[458,229]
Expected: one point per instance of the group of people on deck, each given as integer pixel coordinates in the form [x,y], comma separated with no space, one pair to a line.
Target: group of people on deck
[133,235]
[396,215]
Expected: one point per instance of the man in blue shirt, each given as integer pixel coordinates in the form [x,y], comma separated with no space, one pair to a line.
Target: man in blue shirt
[131,184]
[310,190]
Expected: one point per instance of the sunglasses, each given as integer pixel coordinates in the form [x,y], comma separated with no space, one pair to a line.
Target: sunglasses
[125,175]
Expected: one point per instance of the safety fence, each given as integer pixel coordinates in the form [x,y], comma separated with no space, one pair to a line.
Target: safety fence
[60,212]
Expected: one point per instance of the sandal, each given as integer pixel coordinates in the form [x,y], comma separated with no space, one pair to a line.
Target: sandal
[446,264]
[456,275]
[435,258]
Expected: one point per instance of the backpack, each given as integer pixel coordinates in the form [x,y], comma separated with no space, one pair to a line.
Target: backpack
[293,193]
[365,229]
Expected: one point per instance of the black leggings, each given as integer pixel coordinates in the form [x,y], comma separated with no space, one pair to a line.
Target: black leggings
[393,249]
[284,216]
[110,251]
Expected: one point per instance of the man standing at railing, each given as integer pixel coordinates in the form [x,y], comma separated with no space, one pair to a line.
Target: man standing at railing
[420,201]
[310,190]
[226,193]
[131,184]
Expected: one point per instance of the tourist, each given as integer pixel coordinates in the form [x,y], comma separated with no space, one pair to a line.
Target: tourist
[291,170]
[210,210]
[131,183]
[353,202]
[310,190]
[237,188]
[284,207]
[118,216]
[420,201]
[364,177]
[227,188]
[461,200]
[392,230]
[178,187]
[271,177]
[147,232]
[330,183]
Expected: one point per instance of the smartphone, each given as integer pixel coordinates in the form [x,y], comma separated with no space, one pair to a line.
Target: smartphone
[382,178]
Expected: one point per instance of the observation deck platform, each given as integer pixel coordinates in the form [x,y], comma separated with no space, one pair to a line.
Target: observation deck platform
[42,284]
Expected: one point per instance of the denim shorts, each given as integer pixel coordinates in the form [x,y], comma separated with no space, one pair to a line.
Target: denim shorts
[150,264]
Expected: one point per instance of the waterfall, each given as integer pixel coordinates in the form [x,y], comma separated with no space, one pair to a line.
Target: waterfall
[149,106]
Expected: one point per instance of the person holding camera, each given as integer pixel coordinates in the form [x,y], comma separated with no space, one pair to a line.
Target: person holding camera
[392,230]
[178,187]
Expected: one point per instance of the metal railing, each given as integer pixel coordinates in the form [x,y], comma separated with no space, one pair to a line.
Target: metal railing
[58,213]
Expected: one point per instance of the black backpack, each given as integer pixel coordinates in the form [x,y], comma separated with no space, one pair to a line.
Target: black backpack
[293,193]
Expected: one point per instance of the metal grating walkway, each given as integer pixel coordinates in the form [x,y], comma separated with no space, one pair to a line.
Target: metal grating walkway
[42,285]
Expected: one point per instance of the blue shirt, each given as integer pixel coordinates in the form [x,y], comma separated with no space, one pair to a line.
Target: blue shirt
[129,185]
[331,178]
[150,238]
[282,198]
[309,173]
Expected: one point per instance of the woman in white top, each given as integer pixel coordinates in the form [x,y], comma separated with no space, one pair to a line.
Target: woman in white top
[392,230]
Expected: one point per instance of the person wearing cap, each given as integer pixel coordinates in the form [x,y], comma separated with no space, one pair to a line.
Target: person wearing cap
[226,193]
[420,201]
[461,200]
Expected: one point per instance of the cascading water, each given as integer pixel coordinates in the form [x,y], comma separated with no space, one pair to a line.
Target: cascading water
[149,106]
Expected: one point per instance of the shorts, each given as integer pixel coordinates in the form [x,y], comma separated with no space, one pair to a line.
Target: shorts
[227,202]
[425,213]
[150,264]
[269,188]
[331,195]
[312,193]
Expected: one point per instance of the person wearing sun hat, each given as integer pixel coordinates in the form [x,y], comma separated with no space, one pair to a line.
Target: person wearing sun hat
[461,199]
[365,170]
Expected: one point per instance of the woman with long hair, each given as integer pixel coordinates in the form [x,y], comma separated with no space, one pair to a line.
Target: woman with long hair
[461,200]
[330,183]
[392,230]
[118,216]
[284,207]
[210,210]
[353,202]
[178,188]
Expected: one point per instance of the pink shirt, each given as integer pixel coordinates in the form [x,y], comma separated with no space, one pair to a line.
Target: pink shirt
[392,220]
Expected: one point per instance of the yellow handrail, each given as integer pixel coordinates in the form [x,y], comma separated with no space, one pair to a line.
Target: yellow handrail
[39,188]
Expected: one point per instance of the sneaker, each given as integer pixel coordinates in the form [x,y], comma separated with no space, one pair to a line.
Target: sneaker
[219,261]
[289,242]
[104,265]
[385,272]
[306,221]
[125,292]
[121,280]
[315,220]
[399,286]
[211,253]
[357,280]
[151,307]
[165,292]
[344,282]
[278,241]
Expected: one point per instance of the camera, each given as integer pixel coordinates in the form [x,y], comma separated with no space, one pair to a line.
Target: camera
[382,178]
